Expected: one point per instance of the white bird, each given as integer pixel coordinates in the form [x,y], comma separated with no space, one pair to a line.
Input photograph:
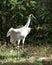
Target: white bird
[20,33]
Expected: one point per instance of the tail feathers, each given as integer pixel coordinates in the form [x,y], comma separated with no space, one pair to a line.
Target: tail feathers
[8,34]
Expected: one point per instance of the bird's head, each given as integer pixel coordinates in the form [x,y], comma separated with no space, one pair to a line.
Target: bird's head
[9,32]
[32,16]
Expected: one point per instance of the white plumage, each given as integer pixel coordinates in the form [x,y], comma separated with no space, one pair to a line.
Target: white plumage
[20,33]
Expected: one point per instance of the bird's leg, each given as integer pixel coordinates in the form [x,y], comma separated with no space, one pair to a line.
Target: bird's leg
[23,42]
[18,50]
[18,43]
[23,47]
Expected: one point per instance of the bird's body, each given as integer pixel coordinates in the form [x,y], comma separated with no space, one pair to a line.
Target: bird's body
[17,34]
[20,33]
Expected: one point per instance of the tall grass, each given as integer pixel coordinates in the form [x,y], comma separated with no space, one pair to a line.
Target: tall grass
[10,54]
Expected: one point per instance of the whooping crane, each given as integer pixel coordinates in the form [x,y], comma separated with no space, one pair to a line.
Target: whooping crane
[20,33]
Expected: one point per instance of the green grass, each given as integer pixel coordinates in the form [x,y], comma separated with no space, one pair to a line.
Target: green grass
[28,56]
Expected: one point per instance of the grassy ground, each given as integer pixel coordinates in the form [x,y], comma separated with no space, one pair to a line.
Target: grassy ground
[27,56]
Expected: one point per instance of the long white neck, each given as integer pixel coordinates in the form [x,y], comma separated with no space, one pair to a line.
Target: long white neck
[28,22]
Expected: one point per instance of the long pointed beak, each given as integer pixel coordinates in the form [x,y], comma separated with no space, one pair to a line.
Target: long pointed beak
[34,17]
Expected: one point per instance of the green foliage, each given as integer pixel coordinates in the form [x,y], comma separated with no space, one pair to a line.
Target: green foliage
[38,63]
[30,54]
[14,13]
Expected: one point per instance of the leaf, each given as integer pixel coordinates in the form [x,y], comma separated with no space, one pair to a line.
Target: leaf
[23,8]
[21,14]
[33,2]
